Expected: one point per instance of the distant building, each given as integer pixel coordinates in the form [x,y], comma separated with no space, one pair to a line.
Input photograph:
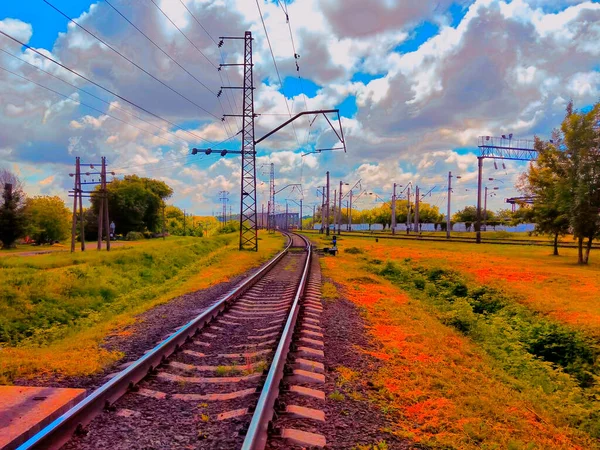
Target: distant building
[293,220]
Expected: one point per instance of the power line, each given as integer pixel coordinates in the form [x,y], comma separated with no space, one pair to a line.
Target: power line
[227,95]
[228,131]
[74,72]
[96,97]
[184,35]
[132,62]
[198,22]
[276,68]
[85,104]
[199,51]
[158,47]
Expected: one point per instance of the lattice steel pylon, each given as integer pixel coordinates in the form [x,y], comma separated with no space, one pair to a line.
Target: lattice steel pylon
[248,228]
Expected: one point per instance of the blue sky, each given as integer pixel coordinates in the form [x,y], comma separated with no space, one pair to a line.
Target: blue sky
[411,112]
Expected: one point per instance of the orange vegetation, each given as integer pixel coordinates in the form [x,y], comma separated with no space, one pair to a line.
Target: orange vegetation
[439,388]
[555,286]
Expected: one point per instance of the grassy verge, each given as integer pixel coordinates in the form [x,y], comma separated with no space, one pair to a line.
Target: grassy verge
[553,286]
[56,309]
[464,365]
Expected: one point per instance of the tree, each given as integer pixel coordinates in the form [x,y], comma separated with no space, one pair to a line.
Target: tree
[468,215]
[550,209]
[581,159]
[504,216]
[429,213]
[566,179]
[48,219]
[134,203]
[12,215]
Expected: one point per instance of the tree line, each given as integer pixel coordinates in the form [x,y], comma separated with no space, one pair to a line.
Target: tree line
[43,219]
[137,205]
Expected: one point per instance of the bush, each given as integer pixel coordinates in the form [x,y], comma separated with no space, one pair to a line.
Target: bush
[354,250]
[134,236]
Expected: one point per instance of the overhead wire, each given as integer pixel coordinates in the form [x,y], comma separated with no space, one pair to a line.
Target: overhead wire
[85,104]
[96,97]
[164,53]
[276,68]
[227,94]
[74,72]
[199,51]
[175,91]
[158,47]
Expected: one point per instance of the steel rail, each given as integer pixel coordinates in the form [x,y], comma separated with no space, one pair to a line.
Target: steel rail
[257,435]
[58,432]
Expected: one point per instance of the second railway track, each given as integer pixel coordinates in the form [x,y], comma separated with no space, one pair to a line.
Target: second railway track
[213,384]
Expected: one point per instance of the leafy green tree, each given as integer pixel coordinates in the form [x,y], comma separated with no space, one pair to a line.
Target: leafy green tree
[468,215]
[550,210]
[12,214]
[504,216]
[48,219]
[429,213]
[134,203]
[581,159]
[566,179]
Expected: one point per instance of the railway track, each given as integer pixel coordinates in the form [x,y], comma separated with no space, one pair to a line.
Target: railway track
[215,382]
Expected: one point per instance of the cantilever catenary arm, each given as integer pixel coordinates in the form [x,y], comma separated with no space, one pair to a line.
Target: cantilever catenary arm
[319,111]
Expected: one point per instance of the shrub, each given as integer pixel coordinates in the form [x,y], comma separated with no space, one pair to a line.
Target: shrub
[134,236]
[354,250]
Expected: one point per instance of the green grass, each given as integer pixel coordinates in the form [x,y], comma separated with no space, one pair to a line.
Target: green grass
[56,309]
[45,294]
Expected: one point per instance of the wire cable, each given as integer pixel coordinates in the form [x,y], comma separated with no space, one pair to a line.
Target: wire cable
[276,68]
[96,97]
[158,47]
[132,62]
[227,131]
[202,53]
[227,94]
[85,104]
[74,72]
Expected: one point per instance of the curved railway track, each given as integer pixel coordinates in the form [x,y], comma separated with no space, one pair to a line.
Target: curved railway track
[214,383]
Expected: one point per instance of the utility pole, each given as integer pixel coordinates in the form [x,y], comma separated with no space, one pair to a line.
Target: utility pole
[408,211]
[334,209]
[224,198]
[314,216]
[300,214]
[479,176]
[286,216]
[76,195]
[105,197]
[248,231]
[350,213]
[417,210]
[327,207]
[448,210]
[485,209]
[339,225]
[163,221]
[394,210]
